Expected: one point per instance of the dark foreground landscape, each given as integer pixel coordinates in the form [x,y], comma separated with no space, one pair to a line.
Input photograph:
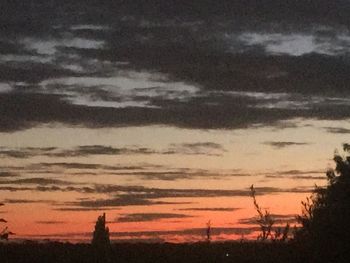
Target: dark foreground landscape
[196,252]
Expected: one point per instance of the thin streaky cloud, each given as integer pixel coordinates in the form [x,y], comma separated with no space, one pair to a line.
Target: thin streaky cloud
[210,209]
[145,217]
[337,130]
[284,144]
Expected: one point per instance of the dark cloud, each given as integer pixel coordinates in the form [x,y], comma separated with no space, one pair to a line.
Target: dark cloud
[278,219]
[299,174]
[139,196]
[141,171]
[236,66]
[142,195]
[101,150]
[27,201]
[143,217]
[199,148]
[271,10]
[202,148]
[129,200]
[211,209]
[338,130]
[280,145]
[50,222]
[8,174]
[180,174]
[83,209]
[37,181]
[24,152]
[74,165]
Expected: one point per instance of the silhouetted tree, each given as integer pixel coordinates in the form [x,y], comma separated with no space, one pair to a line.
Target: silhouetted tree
[101,241]
[101,233]
[325,218]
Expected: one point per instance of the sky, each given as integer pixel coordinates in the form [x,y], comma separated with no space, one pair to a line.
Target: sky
[163,114]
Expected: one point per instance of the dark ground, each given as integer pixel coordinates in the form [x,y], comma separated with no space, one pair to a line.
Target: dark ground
[197,252]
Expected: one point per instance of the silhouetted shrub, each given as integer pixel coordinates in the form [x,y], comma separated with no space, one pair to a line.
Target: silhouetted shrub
[4,233]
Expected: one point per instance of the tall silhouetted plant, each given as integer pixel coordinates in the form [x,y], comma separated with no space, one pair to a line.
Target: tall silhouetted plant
[208,231]
[325,219]
[101,241]
[266,221]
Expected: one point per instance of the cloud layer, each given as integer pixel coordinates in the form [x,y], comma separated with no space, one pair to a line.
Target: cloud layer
[190,69]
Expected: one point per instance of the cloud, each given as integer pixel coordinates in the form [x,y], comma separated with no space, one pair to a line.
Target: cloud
[211,209]
[337,130]
[200,148]
[29,201]
[247,72]
[73,165]
[298,174]
[50,222]
[139,195]
[280,145]
[141,171]
[37,181]
[83,209]
[144,217]
[123,200]
[8,174]
[101,150]
[278,219]
[24,152]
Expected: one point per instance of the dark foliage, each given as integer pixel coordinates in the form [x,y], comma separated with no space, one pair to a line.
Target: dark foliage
[325,220]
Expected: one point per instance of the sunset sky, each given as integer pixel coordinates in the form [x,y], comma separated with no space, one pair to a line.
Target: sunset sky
[163,113]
